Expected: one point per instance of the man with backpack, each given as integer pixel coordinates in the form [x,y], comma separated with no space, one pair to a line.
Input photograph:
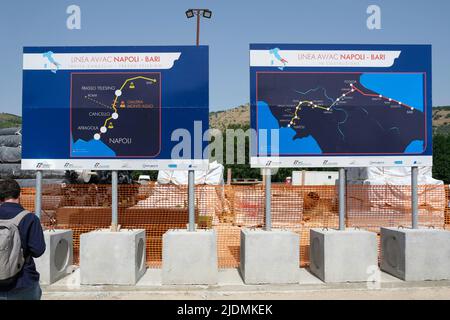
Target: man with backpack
[21,240]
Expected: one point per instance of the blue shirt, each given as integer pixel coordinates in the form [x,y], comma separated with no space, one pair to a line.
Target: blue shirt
[33,244]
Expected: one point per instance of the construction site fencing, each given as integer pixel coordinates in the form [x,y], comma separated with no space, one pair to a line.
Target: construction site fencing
[227,209]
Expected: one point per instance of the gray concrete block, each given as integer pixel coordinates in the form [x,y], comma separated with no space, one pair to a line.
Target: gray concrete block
[343,256]
[416,254]
[56,262]
[270,257]
[190,257]
[116,258]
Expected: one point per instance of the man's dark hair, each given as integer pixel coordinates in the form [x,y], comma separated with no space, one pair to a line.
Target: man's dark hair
[9,189]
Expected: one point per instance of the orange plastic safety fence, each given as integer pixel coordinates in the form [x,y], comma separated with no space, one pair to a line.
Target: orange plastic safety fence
[227,209]
[447,207]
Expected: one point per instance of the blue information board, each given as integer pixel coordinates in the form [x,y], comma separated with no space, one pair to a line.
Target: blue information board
[341,105]
[115,108]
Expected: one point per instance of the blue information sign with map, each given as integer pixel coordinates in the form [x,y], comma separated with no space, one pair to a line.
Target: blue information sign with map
[341,105]
[113,108]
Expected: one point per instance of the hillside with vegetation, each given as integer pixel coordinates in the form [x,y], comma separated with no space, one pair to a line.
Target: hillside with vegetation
[8,120]
[239,116]
[441,120]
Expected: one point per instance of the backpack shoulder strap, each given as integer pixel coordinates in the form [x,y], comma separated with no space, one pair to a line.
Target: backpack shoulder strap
[16,220]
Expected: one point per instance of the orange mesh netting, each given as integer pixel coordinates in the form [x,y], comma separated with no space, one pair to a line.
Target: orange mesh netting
[227,209]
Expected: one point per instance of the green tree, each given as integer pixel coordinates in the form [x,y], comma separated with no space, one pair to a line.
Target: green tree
[441,157]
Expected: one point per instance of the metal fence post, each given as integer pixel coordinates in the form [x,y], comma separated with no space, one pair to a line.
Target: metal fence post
[414,197]
[38,196]
[191,199]
[342,196]
[268,211]
[114,200]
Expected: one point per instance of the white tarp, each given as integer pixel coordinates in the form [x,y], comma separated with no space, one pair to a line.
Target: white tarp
[390,176]
[391,203]
[214,176]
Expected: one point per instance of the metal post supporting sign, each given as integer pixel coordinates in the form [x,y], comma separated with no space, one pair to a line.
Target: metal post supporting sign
[191,199]
[414,197]
[342,185]
[38,196]
[268,212]
[114,200]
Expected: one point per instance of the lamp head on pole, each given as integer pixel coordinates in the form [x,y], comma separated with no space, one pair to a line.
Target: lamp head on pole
[207,14]
[190,13]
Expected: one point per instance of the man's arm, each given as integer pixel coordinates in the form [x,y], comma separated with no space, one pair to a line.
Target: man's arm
[35,239]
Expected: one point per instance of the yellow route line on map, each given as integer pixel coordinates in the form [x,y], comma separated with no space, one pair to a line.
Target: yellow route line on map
[121,88]
[311,105]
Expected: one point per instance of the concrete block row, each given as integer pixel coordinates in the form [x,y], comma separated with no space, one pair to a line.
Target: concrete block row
[267,257]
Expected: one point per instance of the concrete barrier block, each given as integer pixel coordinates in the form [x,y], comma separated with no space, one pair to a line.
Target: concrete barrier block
[116,258]
[190,257]
[343,256]
[269,257]
[416,254]
[56,262]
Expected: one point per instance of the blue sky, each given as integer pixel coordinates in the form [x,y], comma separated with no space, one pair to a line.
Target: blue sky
[235,24]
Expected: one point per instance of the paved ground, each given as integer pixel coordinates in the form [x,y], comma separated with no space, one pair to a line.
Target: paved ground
[231,287]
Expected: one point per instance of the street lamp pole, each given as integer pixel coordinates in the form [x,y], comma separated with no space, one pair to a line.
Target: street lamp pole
[206,13]
[198,28]
[191,173]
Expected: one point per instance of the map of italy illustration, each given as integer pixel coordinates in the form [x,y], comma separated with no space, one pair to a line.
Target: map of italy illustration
[51,62]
